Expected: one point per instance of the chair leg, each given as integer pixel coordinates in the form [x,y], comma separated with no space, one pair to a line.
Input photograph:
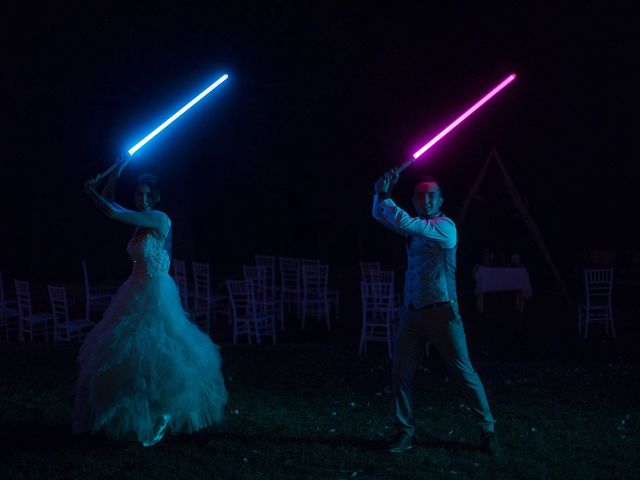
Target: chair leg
[362,333]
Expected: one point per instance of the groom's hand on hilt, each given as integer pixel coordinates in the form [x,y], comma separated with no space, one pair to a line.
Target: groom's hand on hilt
[384,185]
[393,179]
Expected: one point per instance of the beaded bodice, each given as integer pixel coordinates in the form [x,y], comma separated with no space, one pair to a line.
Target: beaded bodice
[148,254]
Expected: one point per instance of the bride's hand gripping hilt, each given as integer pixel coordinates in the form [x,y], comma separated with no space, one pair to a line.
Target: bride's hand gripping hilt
[120,163]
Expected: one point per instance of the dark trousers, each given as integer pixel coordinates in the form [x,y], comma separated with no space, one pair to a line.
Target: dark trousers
[443,327]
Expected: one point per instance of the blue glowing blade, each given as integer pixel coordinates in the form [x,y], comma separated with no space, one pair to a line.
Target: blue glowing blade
[170,120]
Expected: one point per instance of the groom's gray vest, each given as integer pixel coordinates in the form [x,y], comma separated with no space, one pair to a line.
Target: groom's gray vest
[431,273]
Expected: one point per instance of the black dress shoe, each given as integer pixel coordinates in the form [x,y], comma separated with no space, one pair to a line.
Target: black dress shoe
[401,442]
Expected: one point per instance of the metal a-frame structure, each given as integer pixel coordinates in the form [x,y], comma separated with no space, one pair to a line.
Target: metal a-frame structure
[530,224]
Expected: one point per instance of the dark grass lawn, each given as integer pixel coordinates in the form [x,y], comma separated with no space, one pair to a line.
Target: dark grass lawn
[316,411]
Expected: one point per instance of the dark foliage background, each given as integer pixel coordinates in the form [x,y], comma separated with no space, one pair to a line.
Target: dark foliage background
[322,99]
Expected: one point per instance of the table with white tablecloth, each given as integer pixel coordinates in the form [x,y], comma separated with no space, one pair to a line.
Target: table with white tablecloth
[502,279]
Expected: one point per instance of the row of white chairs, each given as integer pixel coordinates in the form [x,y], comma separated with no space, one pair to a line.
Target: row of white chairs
[203,305]
[251,316]
[57,323]
[303,289]
[380,311]
[257,305]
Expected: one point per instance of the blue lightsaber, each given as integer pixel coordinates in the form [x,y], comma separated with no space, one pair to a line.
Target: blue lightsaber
[173,117]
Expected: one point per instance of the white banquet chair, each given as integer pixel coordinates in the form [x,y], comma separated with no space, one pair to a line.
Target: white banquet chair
[597,308]
[30,323]
[377,315]
[64,328]
[246,318]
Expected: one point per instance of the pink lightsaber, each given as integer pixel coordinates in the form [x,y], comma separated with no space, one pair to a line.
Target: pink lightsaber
[457,122]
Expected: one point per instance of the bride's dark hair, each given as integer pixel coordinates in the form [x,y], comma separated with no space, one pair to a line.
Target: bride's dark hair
[151,181]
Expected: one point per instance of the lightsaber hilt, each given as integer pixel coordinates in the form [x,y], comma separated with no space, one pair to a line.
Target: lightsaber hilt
[405,165]
[100,176]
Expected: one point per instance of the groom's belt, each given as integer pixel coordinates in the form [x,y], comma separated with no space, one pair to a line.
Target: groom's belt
[431,305]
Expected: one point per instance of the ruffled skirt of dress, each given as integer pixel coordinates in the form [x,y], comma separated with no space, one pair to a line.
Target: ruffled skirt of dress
[145,359]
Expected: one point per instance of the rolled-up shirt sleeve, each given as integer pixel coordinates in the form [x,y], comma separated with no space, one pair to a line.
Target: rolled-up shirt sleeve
[439,229]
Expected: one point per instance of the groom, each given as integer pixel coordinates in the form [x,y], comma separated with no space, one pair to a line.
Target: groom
[431,306]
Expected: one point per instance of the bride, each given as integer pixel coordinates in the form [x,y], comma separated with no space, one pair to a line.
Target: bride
[145,368]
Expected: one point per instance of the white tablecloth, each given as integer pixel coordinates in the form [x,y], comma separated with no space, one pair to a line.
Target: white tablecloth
[493,279]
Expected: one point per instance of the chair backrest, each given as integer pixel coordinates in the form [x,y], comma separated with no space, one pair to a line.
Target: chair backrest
[598,284]
[379,295]
[268,262]
[201,278]
[258,276]
[377,302]
[23,294]
[381,276]
[290,274]
[59,306]
[366,268]
[242,296]
[315,280]
[309,261]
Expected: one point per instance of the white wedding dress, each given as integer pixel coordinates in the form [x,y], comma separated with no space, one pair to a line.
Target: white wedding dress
[145,362]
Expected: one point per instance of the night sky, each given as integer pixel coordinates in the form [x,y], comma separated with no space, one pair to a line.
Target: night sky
[321,100]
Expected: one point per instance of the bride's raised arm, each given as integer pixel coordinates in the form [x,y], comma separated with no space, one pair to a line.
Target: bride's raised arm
[146,219]
[108,192]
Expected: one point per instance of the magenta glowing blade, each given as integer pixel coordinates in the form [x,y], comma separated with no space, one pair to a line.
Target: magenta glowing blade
[457,122]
